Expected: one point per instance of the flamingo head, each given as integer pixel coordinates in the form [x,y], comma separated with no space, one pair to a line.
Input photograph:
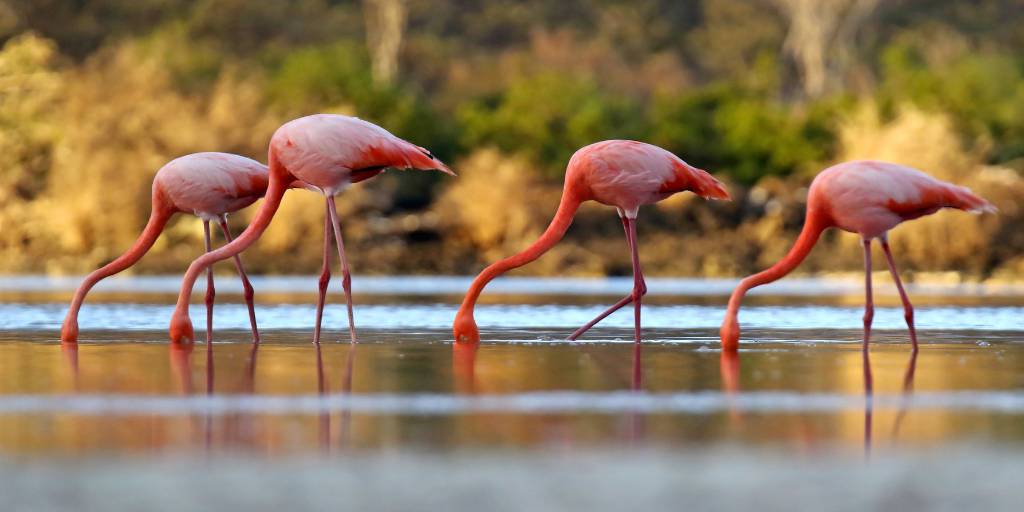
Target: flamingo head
[465,329]
[181,329]
[69,331]
[730,334]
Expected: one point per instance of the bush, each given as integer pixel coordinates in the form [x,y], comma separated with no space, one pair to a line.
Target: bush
[727,130]
[547,117]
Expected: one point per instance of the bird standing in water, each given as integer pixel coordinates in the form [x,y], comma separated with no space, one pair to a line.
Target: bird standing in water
[208,185]
[621,173]
[868,198]
[328,153]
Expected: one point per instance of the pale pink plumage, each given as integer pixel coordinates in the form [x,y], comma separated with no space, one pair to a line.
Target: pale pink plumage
[627,174]
[208,185]
[868,198]
[329,151]
[326,152]
[622,173]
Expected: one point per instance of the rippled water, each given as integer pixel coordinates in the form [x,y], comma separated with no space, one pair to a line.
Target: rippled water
[518,316]
[798,381]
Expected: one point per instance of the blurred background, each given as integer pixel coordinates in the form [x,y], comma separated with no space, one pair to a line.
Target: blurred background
[95,96]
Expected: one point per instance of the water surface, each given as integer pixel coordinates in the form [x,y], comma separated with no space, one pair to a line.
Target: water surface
[798,383]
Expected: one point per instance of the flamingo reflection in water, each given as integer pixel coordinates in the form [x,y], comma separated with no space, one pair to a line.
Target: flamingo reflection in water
[239,426]
[464,368]
[325,414]
[70,352]
[323,388]
[234,425]
[181,366]
[729,369]
[908,391]
[905,396]
[466,382]
[637,427]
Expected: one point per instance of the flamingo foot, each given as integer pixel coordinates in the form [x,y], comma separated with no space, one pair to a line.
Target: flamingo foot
[181,329]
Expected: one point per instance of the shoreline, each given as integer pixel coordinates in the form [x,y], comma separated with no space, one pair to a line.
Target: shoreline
[937,283]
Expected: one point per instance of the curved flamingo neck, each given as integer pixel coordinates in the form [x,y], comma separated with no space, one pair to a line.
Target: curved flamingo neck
[815,223]
[554,232]
[280,179]
[162,212]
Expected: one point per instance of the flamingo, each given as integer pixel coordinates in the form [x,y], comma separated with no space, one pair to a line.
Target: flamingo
[868,198]
[208,185]
[328,153]
[622,173]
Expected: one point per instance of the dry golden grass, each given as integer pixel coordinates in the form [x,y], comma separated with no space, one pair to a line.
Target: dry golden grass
[79,144]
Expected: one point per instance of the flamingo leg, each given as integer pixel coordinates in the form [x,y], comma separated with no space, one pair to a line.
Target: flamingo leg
[210,292]
[325,271]
[869,315]
[908,308]
[246,285]
[618,305]
[908,315]
[346,276]
[638,278]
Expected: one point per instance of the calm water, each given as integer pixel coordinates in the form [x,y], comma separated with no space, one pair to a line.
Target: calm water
[797,384]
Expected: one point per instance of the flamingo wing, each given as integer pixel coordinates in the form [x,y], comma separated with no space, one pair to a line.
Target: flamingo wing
[905,191]
[327,141]
[211,184]
[628,174]
[872,197]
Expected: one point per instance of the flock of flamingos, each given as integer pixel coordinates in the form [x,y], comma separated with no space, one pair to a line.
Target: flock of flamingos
[327,153]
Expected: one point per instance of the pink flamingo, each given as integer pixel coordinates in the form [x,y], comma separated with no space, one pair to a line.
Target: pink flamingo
[868,198]
[328,152]
[208,185]
[621,173]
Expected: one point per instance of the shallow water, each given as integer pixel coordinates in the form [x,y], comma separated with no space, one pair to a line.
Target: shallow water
[798,382]
[530,317]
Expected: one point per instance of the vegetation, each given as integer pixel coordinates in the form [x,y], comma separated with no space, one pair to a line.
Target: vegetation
[95,96]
